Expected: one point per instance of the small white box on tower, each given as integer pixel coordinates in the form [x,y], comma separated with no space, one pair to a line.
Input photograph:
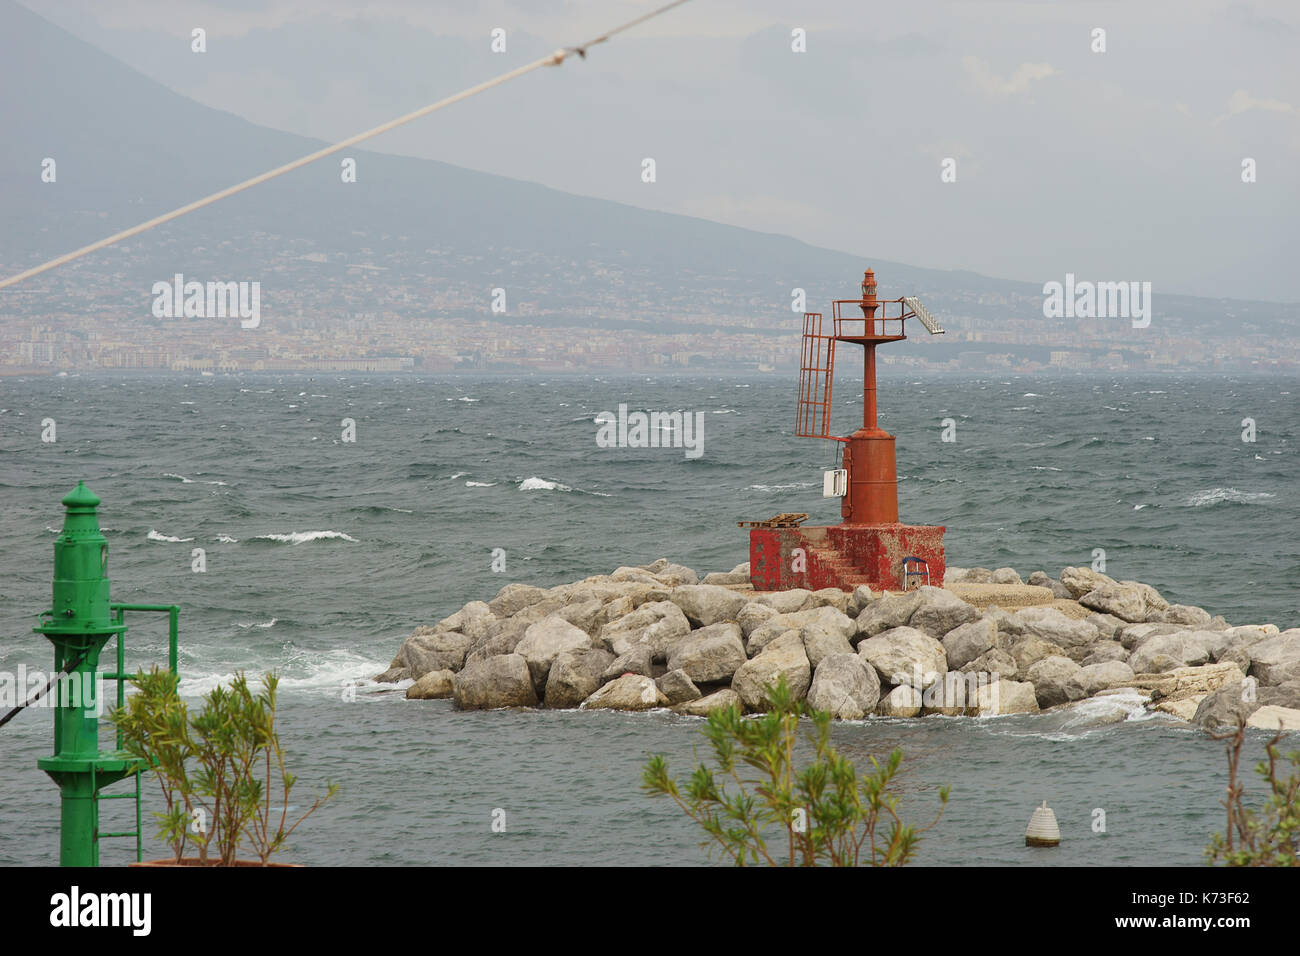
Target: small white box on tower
[835,484]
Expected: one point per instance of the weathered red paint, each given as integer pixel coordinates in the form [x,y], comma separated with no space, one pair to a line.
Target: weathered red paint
[842,556]
[869,546]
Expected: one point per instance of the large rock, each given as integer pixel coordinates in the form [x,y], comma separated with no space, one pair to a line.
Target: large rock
[1182,682]
[830,597]
[1184,708]
[1056,680]
[513,598]
[1250,633]
[955,695]
[784,657]
[1029,650]
[823,618]
[723,578]
[429,649]
[1123,601]
[435,685]
[501,681]
[1102,676]
[1164,652]
[1150,596]
[968,641]
[656,625]
[1005,576]
[888,611]
[1107,625]
[635,576]
[997,663]
[674,575]
[845,686]
[706,604]
[472,620]
[1131,635]
[576,675]
[1104,651]
[1219,710]
[1050,624]
[1079,581]
[1276,660]
[1181,614]
[784,602]
[820,643]
[940,611]
[545,641]
[1006,697]
[903,701]
[632,692]
[1273,717]
[753,616]
[862,596]
[591,616]
[719,700]
[709,654]
[502,638]
[635,661]
[678,688]
[904,655]
[1039,579]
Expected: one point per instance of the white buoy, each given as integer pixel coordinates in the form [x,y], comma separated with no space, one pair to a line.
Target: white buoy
[1042,829]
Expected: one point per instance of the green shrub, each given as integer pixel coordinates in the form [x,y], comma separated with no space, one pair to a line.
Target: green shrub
[1269,836]
[825,813]
[238,765]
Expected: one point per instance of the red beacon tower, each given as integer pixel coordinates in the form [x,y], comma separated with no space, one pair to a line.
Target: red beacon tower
[870,546]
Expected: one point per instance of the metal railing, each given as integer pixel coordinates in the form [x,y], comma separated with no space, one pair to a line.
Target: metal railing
[121,676]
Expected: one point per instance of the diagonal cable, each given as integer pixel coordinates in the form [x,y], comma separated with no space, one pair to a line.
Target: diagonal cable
[553,59]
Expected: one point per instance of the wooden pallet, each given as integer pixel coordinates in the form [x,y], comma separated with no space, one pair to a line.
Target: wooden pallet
[789,519]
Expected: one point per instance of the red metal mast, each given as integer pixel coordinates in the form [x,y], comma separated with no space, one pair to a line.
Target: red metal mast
[870,545]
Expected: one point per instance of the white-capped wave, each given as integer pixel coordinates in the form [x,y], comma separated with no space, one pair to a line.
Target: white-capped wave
[262,624]
[191,481]
[480,484]
[1215,495]
[541,484]
[323,671]
[170,539]
[227,539]
[300,537]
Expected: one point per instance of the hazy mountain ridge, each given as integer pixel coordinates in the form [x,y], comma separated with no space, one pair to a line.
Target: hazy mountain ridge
[440,236]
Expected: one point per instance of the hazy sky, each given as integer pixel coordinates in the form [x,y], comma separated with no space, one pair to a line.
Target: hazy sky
[1119,165]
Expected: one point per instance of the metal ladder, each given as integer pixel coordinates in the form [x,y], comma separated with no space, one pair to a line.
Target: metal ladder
[816,366]
[121,676]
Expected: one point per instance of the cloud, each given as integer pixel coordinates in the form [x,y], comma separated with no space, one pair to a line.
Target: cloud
[1242,102]
[1019,81]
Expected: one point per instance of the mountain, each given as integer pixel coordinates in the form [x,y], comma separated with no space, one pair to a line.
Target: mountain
[410,233]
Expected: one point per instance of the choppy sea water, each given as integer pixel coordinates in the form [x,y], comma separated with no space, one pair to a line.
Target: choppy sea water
[323,554]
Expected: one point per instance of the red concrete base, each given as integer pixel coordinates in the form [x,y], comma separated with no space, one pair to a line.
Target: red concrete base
[842,556]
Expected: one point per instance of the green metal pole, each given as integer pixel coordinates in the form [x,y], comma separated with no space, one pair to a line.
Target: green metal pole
[79,624]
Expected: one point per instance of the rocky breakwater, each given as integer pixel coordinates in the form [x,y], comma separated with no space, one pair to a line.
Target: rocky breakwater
[986,643]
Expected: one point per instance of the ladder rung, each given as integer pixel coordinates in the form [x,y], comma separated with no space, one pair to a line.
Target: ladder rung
[130,833]
[116,796]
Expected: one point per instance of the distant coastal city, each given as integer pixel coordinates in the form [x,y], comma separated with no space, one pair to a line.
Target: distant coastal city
[323,314]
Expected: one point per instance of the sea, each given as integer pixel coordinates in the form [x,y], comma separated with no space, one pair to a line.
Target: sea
[337,512]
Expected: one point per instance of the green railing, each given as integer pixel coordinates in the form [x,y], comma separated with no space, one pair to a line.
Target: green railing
[121,675]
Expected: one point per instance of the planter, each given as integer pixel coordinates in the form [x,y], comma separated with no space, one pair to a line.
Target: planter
[195,861]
